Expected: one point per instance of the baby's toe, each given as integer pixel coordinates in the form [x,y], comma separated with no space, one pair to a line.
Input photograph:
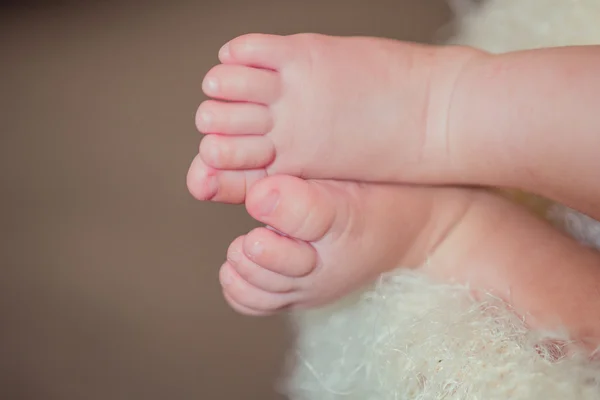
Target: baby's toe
[250,296]
[245,310]
[296,207]
[239,83]
[282,255]
[237,152]
[206,183]
[256,274]
[233,118]
[257,50]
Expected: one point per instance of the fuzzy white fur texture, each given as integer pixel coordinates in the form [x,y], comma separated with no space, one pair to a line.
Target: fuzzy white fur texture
[407,338]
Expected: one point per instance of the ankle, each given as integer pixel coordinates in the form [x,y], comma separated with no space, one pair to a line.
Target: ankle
[448,210]
[445,140]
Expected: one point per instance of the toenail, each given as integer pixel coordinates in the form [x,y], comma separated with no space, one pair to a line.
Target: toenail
[224,52]
[205,119]
[270,202]
[256,249]
[212,85]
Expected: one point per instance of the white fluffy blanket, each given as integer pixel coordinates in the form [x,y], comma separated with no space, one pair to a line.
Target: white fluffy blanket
[408,338]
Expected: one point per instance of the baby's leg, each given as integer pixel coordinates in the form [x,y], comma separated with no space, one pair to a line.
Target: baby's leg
[530,120]
[547,277]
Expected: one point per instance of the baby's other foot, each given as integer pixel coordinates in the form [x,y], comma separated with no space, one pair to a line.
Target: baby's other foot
[316,106]
[328,238]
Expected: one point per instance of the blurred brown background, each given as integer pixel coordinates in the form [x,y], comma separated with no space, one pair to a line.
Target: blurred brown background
[108,285]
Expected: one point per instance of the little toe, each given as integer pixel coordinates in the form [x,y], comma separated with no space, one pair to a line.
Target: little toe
[206,183]
[280,254]
[248,295]
[240,83]
[237,152]
[298,208]
[233,118]
[245,310]
[255,274]
[257,50]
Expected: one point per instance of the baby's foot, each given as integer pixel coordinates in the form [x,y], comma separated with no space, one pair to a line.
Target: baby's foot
[315,106]
[329,238]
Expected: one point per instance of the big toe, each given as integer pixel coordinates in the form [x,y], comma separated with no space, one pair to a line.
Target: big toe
[206,183]
[304,210]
